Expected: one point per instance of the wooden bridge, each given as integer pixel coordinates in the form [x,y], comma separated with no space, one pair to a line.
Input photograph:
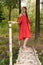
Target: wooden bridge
[28,57]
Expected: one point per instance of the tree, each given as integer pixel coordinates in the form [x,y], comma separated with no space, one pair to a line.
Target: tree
[32,9]
[10,5]
[1,13]
[37,23]
[19,6]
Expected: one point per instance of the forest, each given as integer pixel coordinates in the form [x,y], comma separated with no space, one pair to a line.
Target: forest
[9,11]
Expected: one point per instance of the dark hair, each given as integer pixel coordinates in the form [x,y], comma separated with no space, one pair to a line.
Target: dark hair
[26,14]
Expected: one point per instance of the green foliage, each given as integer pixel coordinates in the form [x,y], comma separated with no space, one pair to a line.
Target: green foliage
[4,61]
[10,3]
[15,28]
[41,58]
[41,19]
[15,55]
[31,9]
[41,15]
[1,12]
[4,28]
[4,58]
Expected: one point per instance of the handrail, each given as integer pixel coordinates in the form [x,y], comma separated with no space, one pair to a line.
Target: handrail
[12,22]
[10,39]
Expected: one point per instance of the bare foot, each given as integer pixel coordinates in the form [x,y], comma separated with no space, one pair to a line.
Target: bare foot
[25,47]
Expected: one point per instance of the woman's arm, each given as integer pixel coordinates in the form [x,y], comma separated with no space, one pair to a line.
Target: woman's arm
[12,22]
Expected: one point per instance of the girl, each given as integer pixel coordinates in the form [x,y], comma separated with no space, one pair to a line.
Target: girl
[24,27]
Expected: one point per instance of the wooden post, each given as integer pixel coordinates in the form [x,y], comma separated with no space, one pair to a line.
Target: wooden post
[10,43]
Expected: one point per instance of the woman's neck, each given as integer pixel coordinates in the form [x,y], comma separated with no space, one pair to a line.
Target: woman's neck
[24,14]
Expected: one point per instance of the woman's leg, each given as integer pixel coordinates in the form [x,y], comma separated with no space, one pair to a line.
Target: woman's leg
[19,42]
[25,42]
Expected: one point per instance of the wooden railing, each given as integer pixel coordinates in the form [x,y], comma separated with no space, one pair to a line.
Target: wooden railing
[10,40]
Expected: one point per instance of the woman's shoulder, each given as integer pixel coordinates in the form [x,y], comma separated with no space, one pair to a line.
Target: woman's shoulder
[20,15]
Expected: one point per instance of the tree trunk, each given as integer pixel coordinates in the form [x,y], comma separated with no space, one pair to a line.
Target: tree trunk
[19,6]
[9,13]
[37,23]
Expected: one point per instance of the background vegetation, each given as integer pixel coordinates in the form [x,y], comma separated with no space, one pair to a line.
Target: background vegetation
[4,42]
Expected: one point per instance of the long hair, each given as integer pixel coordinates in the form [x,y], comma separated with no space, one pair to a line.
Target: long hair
[26,14]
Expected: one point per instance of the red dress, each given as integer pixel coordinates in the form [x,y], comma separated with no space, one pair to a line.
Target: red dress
[24,28]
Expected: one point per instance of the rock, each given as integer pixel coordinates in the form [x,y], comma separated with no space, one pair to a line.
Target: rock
[27,57]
